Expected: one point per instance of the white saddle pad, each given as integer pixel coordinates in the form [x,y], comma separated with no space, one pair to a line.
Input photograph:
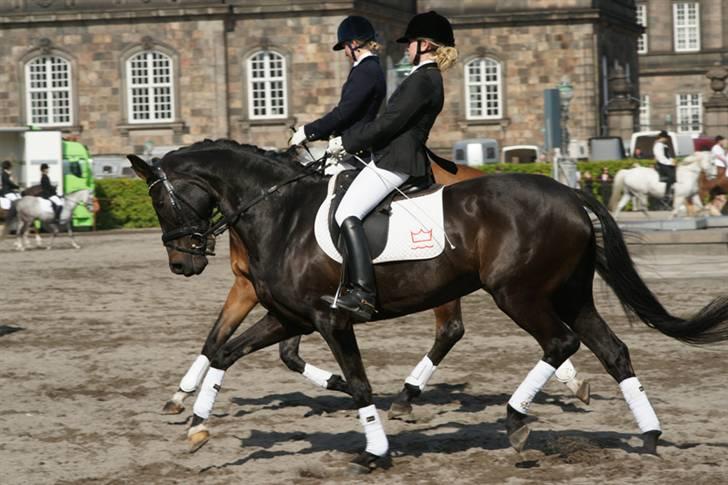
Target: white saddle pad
[5,203]
[415,229]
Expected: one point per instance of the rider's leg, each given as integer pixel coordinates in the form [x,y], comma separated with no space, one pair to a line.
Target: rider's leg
[366,191]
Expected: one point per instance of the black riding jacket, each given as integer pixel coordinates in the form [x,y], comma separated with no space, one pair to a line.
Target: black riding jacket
[48,190]
[397,137]
[361,97]
[7,184]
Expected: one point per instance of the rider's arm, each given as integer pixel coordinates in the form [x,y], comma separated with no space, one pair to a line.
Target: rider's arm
[355,93]
[659,150]
[411,98]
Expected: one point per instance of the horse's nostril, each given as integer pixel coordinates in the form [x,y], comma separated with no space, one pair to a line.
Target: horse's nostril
[176,267]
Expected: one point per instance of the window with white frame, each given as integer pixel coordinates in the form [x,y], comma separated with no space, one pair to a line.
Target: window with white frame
[689,112]
[686,20]
[642,20]
[48,91]
[150,88]
[267,86]
[644,112]
[483,92]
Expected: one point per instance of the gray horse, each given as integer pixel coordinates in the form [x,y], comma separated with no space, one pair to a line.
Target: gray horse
[30,208]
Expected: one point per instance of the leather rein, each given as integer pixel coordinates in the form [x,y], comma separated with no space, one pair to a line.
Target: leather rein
[201,235]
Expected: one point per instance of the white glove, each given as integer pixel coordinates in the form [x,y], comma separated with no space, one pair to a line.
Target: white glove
[298,137]
[336,147]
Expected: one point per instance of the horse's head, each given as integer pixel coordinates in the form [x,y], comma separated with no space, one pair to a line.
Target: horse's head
[184,209]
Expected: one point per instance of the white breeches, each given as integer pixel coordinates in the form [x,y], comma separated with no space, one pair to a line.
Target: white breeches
[367,190]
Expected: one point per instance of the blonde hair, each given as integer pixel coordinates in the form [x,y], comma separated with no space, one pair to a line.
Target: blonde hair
[444,56]
[372,46]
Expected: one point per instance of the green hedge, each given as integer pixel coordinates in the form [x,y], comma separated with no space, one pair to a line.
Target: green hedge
[124,203]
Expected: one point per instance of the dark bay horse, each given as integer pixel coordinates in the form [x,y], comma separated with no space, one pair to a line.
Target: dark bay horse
[242,299]
[525,239]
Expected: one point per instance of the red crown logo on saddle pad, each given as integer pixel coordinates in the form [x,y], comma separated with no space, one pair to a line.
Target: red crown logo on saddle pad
[421,239]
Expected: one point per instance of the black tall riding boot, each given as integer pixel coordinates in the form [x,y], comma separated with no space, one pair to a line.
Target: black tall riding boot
[57,213]
[360,299]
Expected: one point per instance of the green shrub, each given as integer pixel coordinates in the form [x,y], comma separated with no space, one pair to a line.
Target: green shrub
[124,203]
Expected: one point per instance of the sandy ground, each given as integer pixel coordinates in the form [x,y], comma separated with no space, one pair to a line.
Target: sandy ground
[92,342]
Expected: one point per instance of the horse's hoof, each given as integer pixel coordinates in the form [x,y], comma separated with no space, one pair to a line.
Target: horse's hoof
[401,410]
[649,439]
[366,462]
[519,437]
[197,436]
[173,407]
[584,392]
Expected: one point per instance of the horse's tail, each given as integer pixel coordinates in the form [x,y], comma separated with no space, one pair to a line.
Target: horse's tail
[614,264]
[617,188]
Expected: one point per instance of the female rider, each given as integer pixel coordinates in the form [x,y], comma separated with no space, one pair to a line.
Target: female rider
[363,91]
[397,143]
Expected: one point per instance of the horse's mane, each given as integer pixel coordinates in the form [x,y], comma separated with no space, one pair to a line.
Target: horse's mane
[283,156]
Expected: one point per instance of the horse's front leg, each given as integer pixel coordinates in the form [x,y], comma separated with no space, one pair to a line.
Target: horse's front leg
[267,331]
[342,342]
[54,233]
[73,239]
[240,301]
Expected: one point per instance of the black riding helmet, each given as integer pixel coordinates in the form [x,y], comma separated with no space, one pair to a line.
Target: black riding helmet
[352,28]
[429,25]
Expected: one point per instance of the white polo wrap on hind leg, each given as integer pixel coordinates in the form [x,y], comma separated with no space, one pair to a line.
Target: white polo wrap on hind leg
[566,372]
[377,443]
[318,376]
[640,406]
[191,381]
[421,373]
[208,392]
[531,385]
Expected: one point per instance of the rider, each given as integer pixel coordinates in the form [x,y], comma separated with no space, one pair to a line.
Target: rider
[364,89]
[720,159]
[49,192]
[397,142]
[665,163]
[8,185]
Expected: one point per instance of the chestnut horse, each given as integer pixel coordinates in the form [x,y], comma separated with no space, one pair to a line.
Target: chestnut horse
[242,299]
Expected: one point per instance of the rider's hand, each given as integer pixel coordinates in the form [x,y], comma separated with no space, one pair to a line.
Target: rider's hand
[298,137]
[336,146]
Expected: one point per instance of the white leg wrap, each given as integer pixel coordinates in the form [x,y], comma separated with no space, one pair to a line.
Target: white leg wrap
[640,406]
[191,381]
[208,392]
[318,376]
[566,372]
[534,382]
[377,443]
[421,373]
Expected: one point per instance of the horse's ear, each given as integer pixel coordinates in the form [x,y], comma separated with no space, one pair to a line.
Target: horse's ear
[140,166]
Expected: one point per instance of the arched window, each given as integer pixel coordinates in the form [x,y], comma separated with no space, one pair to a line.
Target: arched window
[150,87]
[48,91]
[267,86]
[483,89]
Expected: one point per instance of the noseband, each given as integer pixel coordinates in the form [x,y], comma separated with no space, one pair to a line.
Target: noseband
[201,236]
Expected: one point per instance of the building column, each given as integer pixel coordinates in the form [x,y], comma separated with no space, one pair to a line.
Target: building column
[715,118]
[622,109]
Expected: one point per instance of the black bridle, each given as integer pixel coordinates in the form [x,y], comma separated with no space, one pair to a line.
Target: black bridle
[202,235]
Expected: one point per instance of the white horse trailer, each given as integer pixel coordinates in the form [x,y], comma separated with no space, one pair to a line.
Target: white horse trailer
[28,150]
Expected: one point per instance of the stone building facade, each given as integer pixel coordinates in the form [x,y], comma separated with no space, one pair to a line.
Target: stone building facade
[129,74]
[683,40]
[170,72]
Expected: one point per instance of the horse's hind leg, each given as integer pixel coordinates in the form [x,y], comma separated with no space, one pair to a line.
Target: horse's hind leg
[267,331]
[535,314]
[290,356]
[240,300]
[614,356]
[449,330]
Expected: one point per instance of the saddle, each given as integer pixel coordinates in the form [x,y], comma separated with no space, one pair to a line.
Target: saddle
[376,223]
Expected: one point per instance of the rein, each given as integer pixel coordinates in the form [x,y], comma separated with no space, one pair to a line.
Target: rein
[200,235]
